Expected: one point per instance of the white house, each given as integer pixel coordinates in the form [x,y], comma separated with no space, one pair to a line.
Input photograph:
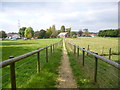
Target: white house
[13,36]
[63,34]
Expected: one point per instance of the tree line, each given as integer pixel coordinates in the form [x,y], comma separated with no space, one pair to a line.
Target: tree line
[50,32]
[109,33]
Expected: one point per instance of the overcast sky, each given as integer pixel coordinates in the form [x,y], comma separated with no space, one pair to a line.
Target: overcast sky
[41,15]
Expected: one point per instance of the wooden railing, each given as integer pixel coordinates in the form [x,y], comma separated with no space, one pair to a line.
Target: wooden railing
[12,60]
[96,58]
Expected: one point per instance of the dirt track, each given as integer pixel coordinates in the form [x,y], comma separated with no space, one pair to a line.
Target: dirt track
[66,79]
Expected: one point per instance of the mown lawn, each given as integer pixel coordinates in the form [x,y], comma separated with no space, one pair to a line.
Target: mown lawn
[18,47]
[96,44]
[26,67]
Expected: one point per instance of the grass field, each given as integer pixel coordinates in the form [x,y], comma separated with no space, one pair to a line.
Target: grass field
[26,67]
[107,75]
[18,47]
[96,44]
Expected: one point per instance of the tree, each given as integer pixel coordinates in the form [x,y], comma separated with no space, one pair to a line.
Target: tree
[72,33]
[48,33]
[109,33]
[62,28]
[37,34]
[3,34]
[54,31]
[68,30]
[22,31]
[42,33]
[85,31]
[80,32]
[29,33]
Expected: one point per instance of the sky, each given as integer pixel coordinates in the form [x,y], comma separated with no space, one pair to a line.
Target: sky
[94,16]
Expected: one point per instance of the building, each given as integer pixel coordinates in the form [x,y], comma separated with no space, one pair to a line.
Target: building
[13,36]
[63,34]
[91,35]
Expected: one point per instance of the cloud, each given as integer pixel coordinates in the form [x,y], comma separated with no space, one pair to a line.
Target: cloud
[42,15]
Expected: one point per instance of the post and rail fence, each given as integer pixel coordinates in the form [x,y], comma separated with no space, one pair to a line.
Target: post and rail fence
[97,62]
[12,60]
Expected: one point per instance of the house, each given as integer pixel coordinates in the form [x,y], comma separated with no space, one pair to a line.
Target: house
[91,35]
[13,36]
[63,34]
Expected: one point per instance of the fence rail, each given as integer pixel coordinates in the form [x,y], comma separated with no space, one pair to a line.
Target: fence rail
[97,56]
[12,60]
[102,68]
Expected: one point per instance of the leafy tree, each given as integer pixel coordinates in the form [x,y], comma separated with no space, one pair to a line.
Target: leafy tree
[85,30]
[118,32]
[62,28]
[54,31]
[72,33]
[48,33]
[37,34]
[3,34]
[42,33]
[80,32]
[109,33]
[22,31]
[68,30]
[29,33]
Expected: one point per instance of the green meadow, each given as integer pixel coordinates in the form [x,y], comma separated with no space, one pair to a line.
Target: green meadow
[98,44]
[27,68]
[107,75]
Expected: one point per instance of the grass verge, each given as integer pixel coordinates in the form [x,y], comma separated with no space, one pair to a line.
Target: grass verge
[47,78]
[82,79]
[107,75]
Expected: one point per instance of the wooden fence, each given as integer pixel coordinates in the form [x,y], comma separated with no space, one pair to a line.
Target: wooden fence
[12,60]
[96,59]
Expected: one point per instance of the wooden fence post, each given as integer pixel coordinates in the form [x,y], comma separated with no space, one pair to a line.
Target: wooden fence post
[53,47]
[78,51]
[46,54]
[110,53]
[38,62]
[12,73]
[50,50]
[74,49]
[83,56]
[95,72]
[102,50]
[88,49]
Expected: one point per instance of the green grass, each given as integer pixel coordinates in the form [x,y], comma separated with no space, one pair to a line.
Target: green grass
[19,47]
[82,78]
[28,66]
[48,75]
[97,44]
[107,75]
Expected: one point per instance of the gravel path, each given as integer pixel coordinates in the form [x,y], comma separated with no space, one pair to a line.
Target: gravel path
[65,78]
